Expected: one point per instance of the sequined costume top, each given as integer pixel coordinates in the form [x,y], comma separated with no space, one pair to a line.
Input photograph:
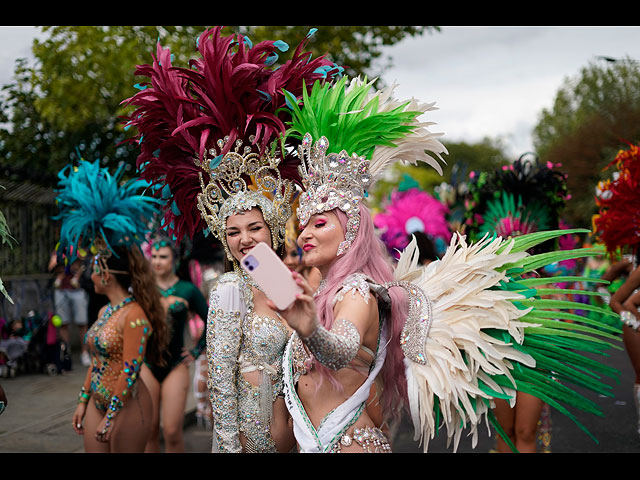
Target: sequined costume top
[238,342]
[117,344]
[297,361]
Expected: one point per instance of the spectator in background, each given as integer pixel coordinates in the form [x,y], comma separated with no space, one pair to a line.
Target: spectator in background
[70,301]
[3,400]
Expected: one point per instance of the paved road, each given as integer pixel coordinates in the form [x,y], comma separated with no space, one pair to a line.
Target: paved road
[38,420]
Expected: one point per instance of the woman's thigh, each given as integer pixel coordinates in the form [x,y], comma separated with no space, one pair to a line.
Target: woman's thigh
[92,419]
[528,410]
[133,423]
[174,391]
[631,340]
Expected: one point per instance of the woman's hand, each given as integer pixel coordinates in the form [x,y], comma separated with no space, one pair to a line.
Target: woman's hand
[105,427]
[301,314]
[187,356]
[78,416]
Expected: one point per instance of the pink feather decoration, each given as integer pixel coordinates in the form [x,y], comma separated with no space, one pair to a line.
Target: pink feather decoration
[412,206]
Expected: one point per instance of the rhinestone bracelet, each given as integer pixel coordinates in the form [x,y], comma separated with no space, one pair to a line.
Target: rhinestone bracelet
[629,319]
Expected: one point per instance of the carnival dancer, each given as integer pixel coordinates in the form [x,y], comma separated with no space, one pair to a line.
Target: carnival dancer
[470,329]
[524,197]
[169,383]
[104,218]
[209,140]
[617,226]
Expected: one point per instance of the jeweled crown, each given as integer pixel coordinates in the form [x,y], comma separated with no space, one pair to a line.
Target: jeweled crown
[240,180]
[334,180]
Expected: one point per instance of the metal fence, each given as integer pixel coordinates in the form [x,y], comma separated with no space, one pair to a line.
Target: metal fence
[28,209]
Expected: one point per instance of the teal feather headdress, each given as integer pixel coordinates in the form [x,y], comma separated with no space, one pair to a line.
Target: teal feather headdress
[99,211]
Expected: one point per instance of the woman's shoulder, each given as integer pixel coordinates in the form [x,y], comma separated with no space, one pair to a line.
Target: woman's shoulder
[227,278]
[135,313]
[356,284]
[230,284]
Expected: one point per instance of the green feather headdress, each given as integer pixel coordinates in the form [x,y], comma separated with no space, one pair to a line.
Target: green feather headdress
[349,135]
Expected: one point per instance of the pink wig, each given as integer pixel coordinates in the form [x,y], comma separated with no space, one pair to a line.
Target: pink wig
[368,255]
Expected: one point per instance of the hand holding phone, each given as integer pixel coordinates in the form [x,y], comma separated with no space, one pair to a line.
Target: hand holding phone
[271,274]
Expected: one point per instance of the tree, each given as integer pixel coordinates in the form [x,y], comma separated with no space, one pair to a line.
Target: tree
[462,158]
[593,116]
[69,103]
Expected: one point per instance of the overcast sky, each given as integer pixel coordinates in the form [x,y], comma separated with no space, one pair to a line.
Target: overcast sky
[486,81]
[495,81]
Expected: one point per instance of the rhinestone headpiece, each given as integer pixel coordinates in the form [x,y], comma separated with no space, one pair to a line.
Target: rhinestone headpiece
[239,181]
[336,180]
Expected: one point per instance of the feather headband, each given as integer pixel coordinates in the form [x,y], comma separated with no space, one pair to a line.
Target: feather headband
[524,197]
[617,223]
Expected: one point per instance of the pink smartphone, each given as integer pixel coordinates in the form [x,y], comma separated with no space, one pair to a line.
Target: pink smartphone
[271,275]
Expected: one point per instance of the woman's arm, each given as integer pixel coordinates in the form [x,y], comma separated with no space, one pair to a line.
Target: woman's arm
[223,337]
[617,269]
[625,291]
[353,311]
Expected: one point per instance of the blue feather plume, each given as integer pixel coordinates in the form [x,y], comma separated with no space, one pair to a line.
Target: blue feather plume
[98,208]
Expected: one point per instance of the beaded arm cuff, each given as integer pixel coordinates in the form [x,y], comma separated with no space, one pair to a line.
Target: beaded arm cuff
[334,349]
[223,346]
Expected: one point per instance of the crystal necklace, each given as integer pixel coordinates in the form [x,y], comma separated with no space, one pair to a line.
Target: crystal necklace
[111,309]
[166,292]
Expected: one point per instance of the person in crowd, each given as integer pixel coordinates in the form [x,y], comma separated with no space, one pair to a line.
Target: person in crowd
[616,226]
[70,301]
[169,383]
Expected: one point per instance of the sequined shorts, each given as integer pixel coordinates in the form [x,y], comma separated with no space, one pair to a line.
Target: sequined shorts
[370,439]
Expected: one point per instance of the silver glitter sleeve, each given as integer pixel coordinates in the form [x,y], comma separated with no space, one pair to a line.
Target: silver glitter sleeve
[334,349]
[223,346]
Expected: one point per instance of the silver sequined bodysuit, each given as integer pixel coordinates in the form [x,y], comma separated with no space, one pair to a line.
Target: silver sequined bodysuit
[239,342]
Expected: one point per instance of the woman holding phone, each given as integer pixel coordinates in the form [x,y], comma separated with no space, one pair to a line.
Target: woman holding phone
[235,175]
[417,337]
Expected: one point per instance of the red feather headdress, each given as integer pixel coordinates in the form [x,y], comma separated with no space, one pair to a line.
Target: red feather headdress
[232,94]
[617,223]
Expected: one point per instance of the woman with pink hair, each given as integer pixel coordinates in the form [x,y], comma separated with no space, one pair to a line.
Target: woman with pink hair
[441,341]
[355,318]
